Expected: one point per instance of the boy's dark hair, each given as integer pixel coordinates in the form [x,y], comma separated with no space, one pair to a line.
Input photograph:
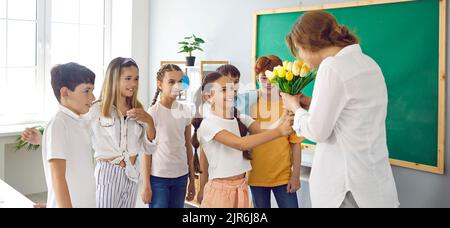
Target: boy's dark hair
[229,70]
[70,75]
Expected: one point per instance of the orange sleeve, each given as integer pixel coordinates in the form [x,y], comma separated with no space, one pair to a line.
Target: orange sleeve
[293,138]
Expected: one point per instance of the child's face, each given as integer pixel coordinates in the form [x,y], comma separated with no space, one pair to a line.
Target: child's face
[222,94]
[264,82]
[80,100]
[235,81]
[129,81]
[171,86]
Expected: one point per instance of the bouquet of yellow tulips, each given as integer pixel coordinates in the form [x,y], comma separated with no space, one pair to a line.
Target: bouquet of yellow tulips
[292,77]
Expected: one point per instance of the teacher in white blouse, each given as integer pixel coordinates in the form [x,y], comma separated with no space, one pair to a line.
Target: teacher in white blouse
[346,117]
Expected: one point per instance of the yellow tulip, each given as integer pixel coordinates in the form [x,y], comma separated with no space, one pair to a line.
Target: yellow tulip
[296,70]
[305,71]
[289,76]
[299,63]
[289,66]
[282,72]
[270,75]
[285,63]
[275,73]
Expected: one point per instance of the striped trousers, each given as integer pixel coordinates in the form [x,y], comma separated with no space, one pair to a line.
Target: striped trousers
[114,189]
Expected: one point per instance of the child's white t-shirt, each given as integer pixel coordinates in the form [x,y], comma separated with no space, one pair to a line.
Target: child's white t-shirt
[170,159]
[223,161]
[67,138]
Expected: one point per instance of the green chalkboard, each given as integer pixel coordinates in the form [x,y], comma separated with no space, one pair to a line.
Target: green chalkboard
[403,38]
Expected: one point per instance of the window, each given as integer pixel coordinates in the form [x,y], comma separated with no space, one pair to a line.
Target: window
[89,32]
[121,29]
[77,29]
[18,65]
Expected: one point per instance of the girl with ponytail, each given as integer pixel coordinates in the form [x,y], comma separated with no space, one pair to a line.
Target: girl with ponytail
[224,138]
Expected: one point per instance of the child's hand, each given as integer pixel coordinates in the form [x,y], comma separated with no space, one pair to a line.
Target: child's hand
[140,114]
[285,128]
[191,191]
[280,121]
[294,184]
[147,195]
[200,197]
[32,136]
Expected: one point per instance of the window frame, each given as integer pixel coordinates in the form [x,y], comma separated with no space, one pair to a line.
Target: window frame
[44,65]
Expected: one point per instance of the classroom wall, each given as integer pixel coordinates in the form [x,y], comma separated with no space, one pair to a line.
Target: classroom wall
[24,170]
[140,45]
[227,26]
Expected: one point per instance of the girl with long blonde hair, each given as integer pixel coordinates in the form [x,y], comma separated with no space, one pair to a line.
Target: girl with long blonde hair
[121,131]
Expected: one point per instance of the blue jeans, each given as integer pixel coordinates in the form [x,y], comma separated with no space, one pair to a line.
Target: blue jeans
[168,192]
[262,197]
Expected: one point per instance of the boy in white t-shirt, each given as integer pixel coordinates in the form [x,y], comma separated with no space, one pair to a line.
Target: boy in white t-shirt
[66,148]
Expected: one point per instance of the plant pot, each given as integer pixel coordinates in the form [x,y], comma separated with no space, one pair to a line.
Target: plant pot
[190,61]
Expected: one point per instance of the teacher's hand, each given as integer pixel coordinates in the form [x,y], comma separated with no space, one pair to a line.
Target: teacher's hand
[291,103]
[305,101]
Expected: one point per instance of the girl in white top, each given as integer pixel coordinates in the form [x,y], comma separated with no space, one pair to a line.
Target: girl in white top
[346,117]
[166,172]
[121,130]
[223,136]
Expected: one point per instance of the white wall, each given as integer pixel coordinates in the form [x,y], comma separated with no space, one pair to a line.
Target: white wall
[227,27]
[24,170]
[140,45]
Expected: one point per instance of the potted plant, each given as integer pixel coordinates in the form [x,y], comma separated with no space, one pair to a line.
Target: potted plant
[189,45]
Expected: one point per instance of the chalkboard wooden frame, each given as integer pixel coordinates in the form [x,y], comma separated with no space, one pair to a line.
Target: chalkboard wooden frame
[439,169]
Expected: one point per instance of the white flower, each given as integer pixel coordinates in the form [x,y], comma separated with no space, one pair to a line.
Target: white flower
[289,66]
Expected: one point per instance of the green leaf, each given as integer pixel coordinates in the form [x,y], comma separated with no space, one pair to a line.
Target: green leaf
[296,85]
[199,40]
[299,87]
[189,45]
[20,144]
[285,87]
[306,82]
[41,129]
